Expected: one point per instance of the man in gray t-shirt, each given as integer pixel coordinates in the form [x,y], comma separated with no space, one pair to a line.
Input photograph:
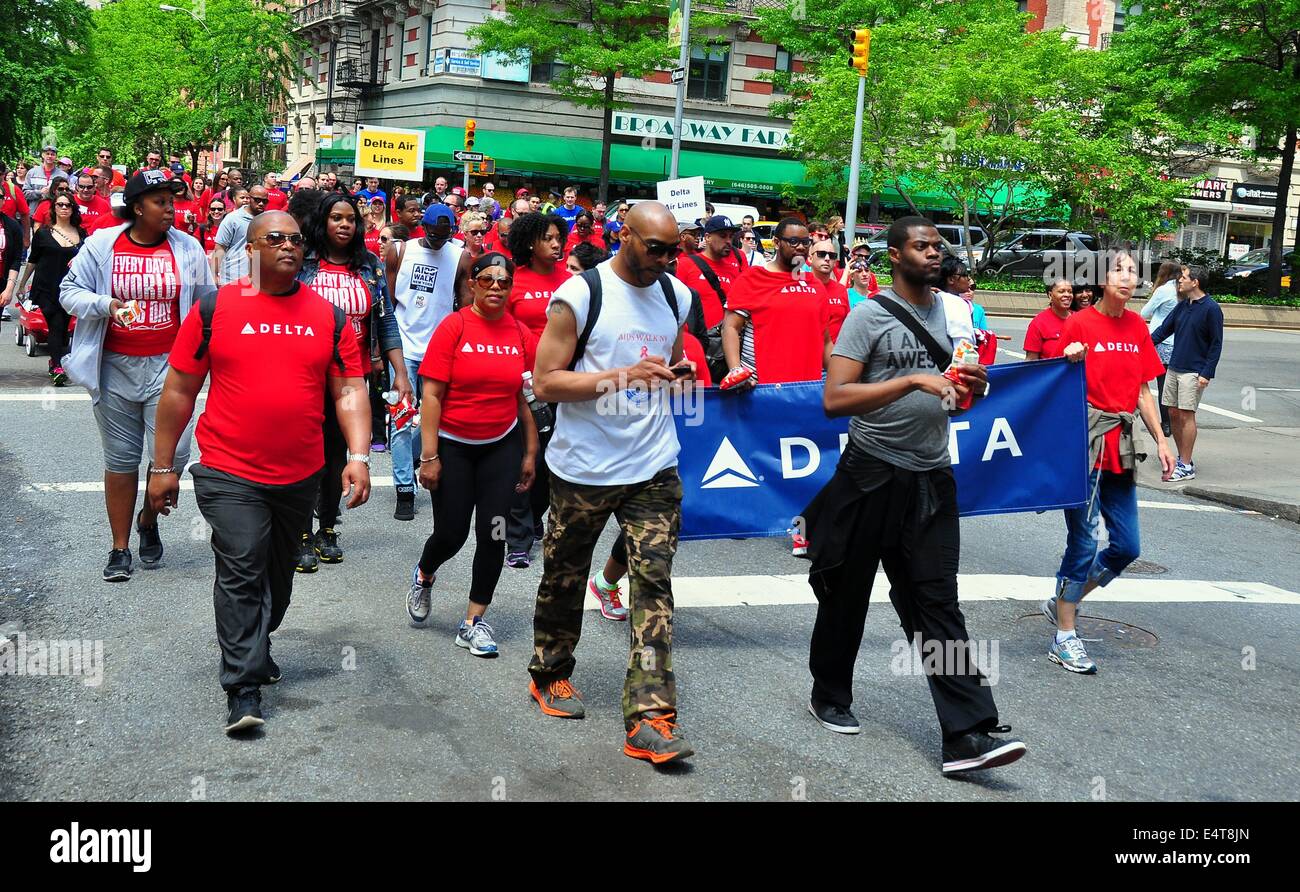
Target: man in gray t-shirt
[912,431]
[893,502]
[232,235]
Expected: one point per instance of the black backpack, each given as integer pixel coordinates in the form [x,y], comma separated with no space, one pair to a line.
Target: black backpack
[208,307]
[592,278]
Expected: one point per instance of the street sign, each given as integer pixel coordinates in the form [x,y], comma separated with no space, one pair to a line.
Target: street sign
[679,75]
[462,155]
[277,134]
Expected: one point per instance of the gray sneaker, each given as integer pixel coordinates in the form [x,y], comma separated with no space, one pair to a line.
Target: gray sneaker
[477,638]
[1070,654]
[1049,610]
[418,600]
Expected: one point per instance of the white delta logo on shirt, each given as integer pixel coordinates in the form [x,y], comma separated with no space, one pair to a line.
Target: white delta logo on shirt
[278,328]
[1113,347]
[490,349]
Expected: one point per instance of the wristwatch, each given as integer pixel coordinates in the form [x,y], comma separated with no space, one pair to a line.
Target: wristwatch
[363,457]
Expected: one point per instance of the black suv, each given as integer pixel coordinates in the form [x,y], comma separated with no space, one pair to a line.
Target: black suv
[1033,253]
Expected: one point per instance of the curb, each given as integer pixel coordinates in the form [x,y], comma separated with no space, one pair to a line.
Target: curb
[1027,304]
[1283,510]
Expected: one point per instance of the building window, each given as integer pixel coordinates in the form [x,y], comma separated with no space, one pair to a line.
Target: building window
[708,74]
[1123,11]
[546,71]
[783,66]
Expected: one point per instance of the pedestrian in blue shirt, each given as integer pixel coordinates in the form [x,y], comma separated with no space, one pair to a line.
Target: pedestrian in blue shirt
[372,190]
[1197,323]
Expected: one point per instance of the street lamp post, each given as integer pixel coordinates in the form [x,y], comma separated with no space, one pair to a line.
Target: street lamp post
[216,63]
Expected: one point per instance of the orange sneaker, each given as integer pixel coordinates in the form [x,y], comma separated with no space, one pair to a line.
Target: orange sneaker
[559,699]
[657,740]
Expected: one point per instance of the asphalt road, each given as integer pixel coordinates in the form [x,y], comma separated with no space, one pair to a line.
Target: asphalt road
[1196,700]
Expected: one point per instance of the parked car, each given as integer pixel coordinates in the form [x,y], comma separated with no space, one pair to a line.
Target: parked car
[31,330]
[954,237]
[1039,253]
[1252,267]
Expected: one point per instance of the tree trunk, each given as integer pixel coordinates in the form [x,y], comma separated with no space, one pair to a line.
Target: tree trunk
[1279,215]
[606,136]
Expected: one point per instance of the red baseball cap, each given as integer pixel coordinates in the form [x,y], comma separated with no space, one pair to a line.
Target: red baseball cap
[522,193]
[457,190]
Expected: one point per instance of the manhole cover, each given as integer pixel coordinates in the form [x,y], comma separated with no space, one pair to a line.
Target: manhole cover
[1111,631]
[1150,568]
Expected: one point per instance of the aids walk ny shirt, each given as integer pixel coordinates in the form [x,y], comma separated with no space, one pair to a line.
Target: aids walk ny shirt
[268,361]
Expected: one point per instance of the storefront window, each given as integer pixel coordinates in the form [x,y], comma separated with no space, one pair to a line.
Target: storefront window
[1251,233]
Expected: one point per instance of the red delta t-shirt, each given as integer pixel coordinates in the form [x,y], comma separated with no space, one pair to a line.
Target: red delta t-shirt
[14,203]
[789,317]
[492,240]
[1121,359]
[728,271]
[276,200]
[576,239]
[837,305]
[483,362]
[531,294]
[97,208]
[347,291]
[372,242]
[1044,335]
[268,357]
[150,276]
[693,350]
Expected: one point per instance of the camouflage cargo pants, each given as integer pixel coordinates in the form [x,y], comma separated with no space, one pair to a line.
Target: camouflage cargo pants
[650,514]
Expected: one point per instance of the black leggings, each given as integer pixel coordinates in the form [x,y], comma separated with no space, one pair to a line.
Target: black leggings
[336,457]
[1164,410]
[476,479]
[57,319]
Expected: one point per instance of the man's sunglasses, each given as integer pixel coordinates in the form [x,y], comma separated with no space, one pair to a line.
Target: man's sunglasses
[255,200]
[824,255]
[797,242]
[487,281]
[276,239]
[86,188]
[657,249]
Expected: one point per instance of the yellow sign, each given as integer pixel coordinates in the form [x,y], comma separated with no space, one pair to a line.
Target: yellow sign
[389,152]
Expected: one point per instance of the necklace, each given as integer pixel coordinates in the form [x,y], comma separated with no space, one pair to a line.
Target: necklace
[929,311]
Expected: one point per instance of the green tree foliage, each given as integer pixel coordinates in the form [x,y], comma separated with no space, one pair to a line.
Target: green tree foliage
[964,103]
[38,47]
[597,42]
[175,81]
[1227,73]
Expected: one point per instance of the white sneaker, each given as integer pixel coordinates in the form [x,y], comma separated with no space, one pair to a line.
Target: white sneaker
[610,605]
[418,599]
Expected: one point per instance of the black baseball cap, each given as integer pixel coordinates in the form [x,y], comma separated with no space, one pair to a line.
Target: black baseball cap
[149,181]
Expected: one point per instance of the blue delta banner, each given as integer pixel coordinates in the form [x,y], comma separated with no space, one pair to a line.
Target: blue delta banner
[751,462]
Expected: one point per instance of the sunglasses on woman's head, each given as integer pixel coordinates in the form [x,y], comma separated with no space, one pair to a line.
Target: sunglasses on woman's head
[487,280]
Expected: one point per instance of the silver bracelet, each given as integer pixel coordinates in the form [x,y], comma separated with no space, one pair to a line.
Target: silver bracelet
[167,470]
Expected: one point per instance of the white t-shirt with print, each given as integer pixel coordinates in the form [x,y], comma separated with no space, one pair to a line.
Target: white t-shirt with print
[625,435]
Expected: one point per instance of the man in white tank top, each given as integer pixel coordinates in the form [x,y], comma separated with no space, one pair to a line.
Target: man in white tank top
[428,278]
[614,451]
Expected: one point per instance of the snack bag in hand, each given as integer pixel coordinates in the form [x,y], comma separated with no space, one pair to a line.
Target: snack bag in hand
[965,353]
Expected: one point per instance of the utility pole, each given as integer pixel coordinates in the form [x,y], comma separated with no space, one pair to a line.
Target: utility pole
[861,57]
[683,61]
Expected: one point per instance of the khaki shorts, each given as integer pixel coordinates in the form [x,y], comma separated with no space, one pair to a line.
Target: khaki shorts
[1181,391]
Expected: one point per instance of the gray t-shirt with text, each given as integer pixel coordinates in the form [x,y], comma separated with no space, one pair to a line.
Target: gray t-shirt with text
[911,432]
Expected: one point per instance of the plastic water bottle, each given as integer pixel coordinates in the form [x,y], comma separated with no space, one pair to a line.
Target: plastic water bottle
[541,411]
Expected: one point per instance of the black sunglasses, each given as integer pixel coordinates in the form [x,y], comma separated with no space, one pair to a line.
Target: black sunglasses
[657,249]
[824,255]
[276,239]
[797,242]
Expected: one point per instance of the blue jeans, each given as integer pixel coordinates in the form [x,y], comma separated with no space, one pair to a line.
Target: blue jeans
[1113,497]
[404,441]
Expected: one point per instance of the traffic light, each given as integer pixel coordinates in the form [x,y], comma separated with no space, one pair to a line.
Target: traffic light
[469,134]
[861,50]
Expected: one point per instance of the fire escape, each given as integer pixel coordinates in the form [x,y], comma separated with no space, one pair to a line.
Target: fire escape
[355,70]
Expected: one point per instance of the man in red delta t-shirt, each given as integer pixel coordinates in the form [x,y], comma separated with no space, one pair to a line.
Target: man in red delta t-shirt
[271,358]
[836,295]
[777,323]
[1120,362]
[718,256]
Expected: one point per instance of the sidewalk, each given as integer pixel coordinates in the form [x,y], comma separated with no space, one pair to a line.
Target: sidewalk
[1247,467]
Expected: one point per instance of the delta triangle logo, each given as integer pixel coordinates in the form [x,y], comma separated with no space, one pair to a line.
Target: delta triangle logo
[728,470]
[466,348]
[248,328]
[1099,348]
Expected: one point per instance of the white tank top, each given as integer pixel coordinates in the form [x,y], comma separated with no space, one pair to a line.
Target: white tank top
[426,293]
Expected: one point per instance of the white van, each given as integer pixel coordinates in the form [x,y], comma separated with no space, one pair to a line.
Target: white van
[736,212]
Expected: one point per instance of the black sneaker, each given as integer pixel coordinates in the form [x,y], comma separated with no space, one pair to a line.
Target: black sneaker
[306,555]
[245,710]
[976,750]
[834,718]
[119,565]
[405,504]
[327,546]
[274,675]
[151,547]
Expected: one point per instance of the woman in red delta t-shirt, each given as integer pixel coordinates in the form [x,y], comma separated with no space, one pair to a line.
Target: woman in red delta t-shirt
[535,242]
[338,267]
[478,442]
[1043,337]
[207,233]
[584,230]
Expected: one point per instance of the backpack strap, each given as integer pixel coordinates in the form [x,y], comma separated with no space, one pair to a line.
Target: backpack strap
[207,308]
[670,295]
[711,277]
[592,278]
[942,358]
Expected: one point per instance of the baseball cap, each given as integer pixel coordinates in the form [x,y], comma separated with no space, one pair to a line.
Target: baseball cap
[522,193]
[615,226]
[719,223]
[49,149]
[458,190]
[376,199]
[150,181]
[471,202]
[66,160]
[687,226]
[437,213]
